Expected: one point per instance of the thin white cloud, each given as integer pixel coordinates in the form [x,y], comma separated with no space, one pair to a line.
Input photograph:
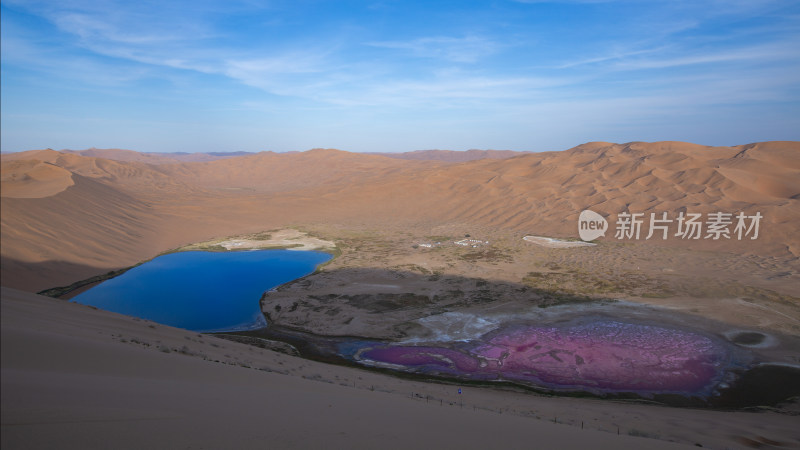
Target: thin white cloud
[24,53]
[443,92]
[469,49]
[597,82]
[774,52]
[124,22]
[608,57]
[276,74]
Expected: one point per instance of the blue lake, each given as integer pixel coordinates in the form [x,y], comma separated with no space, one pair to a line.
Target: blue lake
[202,291]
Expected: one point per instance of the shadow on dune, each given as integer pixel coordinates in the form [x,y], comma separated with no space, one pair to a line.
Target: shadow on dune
[324,312]
[41,277]
[379,303]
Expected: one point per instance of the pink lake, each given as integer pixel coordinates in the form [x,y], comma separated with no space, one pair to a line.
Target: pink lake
[597,356]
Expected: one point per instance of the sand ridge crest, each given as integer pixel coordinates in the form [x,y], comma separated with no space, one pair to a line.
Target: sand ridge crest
[538,193]
[33,178]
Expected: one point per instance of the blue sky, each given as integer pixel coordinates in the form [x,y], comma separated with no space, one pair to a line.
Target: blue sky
[396,75]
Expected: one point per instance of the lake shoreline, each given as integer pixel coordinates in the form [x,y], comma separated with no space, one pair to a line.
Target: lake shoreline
[772,389]
[304,243]
[200,290]
[331,357]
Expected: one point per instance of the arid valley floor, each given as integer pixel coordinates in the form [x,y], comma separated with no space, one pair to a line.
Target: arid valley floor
[86,378]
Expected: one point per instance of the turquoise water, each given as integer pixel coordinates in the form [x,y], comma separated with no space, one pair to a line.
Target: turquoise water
[202,291]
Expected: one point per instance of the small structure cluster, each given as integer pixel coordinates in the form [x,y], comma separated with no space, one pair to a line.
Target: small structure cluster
[467,242]
[471,243]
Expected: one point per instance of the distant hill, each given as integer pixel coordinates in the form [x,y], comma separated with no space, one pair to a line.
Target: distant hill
[155,158]
[452,155]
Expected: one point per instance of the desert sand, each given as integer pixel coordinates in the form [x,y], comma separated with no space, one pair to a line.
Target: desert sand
[556,243]
[453,156]
[154,158]
[542,194]
[291,239]
[86,378]
[69,216]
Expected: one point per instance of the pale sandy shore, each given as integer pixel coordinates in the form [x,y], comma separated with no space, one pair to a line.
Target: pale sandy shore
[76,377]
[556,243]
[286,238]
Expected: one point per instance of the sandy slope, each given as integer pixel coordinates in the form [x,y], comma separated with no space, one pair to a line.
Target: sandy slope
[91,219]
[132,175]
[91,379]
[31,178]
[66,379]
[545,192]
[125,212]
[283,172]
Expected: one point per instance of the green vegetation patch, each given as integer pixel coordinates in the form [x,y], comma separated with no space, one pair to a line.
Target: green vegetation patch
[487,255]
[263,236]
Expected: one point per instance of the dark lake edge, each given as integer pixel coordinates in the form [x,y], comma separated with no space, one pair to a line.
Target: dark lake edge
[755,388]
[69,291]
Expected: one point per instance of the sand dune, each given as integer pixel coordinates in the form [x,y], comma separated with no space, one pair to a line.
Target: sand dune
[129,211]
[131,175]
[89,378]
[116,154]
[91,224]
[31,178]
[544,192]
[86,378]
[281,172]
[154,158]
